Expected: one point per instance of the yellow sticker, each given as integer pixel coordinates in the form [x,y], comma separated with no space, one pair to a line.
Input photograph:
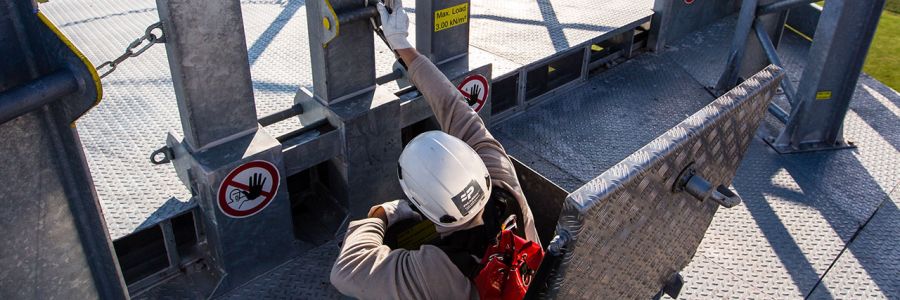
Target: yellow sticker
[823,95]
[451,16]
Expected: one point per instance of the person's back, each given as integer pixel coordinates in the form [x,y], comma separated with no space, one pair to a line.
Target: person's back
[368,269]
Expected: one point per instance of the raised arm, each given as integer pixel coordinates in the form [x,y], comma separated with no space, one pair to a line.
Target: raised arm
[453,113]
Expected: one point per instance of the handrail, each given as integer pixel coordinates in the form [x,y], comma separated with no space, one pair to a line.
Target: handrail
[35,94]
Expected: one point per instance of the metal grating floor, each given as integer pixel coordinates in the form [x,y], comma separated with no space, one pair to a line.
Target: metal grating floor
[139,104]
[816,224]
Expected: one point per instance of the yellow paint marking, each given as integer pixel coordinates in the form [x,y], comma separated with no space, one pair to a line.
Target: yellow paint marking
[451,17]
[798,32]
[87,63]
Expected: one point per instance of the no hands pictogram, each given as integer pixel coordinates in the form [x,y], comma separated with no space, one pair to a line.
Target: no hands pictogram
[475,89]
[248,189]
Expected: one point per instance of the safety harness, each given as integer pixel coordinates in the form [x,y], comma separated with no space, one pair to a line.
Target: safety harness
[494,256]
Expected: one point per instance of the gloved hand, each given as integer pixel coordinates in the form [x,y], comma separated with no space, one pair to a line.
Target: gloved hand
[395,25]
[396,211]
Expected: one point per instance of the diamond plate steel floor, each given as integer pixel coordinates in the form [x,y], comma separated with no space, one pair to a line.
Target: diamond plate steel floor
[139,104]
[823,225]
[804,229]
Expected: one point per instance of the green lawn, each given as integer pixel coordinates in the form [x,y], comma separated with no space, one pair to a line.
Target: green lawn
[892,5]
[883,61]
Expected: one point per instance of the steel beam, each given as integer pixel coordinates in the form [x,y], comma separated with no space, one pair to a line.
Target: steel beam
[781,5]
[55,243]
[836,58]
[215,98]
[212,87]
[729,78]
[673,19]
[442,35]
[365,115]
[345,66]
[772,54]
[446,37]
[747,55]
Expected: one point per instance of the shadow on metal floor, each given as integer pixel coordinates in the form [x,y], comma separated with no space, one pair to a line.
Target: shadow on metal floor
[819,225]
[823,225]
[139,104]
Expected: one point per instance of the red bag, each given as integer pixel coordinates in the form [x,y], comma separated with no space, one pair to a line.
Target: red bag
[509,265]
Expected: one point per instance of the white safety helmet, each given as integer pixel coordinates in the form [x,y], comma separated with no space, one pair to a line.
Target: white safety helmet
[444,178]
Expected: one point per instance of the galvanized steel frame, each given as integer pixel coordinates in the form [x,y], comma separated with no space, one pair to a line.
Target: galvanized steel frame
[637,197]
[55,237]
[843,36]
[523,102]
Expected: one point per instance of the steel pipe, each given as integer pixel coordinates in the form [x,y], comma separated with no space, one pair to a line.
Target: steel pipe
[282,115]
[780,6]
[745,22]
[35,94]
[772,54]
[358,14]
[779,113]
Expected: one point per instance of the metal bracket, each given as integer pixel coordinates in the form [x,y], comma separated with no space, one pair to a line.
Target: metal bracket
[331,20]
[702,189]
[330,23]
[167,156]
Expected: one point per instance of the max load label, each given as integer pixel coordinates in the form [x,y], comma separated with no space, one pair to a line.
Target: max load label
[451,17]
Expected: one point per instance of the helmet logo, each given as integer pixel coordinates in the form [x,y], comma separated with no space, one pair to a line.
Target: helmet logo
[468,197]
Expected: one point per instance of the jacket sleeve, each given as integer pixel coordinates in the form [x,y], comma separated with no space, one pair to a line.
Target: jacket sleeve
[367,269]
[459,120]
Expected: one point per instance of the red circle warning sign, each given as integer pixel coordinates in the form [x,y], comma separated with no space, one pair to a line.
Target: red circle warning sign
[248,189]
[475,89]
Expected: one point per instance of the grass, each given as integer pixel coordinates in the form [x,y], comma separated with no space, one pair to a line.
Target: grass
[892,6]
[883,60]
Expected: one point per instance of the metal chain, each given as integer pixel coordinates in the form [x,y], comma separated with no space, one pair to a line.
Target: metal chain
[149,37]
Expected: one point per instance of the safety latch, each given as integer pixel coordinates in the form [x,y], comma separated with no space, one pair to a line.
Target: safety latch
[695,185]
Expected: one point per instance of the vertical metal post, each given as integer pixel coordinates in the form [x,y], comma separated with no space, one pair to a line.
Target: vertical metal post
[55,243]
[366,114]
[213,87]
[662,15]
[747,55]
[673,19]
[729,78]
[441,33]
[346,65]
[836,58]
[208,59]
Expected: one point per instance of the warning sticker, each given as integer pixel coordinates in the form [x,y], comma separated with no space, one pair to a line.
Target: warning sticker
[248,189]
[475,89]
[451,16]
[823,95]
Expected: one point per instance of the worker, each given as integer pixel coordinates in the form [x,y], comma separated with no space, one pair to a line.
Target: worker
[460,178]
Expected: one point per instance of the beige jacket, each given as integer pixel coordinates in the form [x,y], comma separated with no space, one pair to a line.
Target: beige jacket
[367,269]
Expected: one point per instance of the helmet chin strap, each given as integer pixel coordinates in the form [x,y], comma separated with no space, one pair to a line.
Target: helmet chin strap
[476,221]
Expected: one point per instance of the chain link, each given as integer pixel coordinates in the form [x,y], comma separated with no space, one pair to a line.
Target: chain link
[141,44]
